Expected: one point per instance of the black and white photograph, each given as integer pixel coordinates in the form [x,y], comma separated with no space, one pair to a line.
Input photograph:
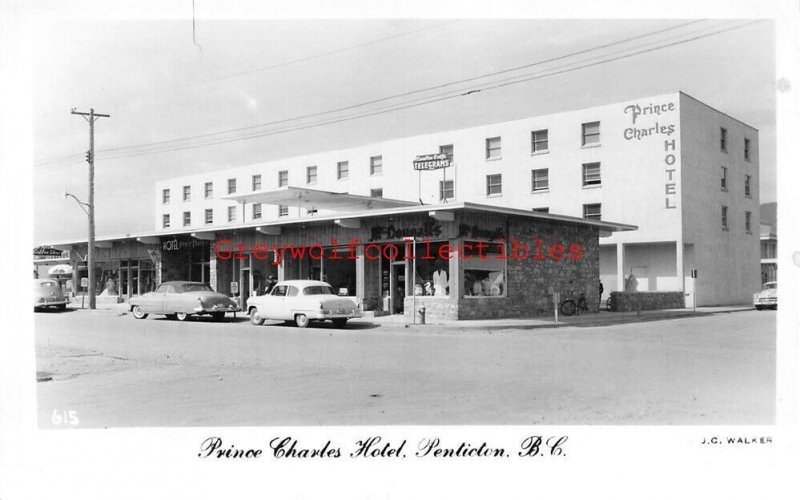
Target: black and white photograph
[417,246]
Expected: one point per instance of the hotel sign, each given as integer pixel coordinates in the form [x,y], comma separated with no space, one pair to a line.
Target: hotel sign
[431,162]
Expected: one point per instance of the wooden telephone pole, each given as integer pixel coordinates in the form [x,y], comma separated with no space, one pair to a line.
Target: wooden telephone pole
[90,117]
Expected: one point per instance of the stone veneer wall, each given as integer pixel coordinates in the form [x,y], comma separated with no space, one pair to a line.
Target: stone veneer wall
[436,308]
[646,301]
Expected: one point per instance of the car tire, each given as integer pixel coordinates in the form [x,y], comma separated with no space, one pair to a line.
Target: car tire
[181,316]
[301,320]
[255,317]
[62,307]
[340,322]
[759,308]
[138,313]
[218,316]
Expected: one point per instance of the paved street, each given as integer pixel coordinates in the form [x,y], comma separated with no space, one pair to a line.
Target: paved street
[112,371]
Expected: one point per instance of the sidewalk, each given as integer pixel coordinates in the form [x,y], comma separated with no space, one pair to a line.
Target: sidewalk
[603,318]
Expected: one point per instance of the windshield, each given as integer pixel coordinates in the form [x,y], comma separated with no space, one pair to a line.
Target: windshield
[194,287]
[318,290]
[47,284]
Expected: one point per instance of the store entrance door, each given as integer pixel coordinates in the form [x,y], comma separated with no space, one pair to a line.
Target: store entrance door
[398,286]
[244,287]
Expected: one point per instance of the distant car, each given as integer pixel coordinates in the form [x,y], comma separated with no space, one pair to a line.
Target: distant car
[181,300]
[302,301]
[48,293]
[767,297]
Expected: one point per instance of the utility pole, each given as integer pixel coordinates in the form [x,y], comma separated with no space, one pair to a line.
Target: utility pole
[91,116]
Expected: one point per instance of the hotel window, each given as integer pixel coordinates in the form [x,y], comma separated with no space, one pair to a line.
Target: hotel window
[591,133]
[283,178]
[747,185]
[376,165]
[187,193]
[187,218]
[723,180]
[493,148]
[209,190]
[343,170]
[540,179]
[311,175]
[494,185]
[231,214]
[539,141]
[591,174]
[165,221]
[165,197]
[231,186]
[209,215]
[256,211]
[257,182]
[283,210]
[747,149]
[747,225]
[723,139]
[591,211]
[376,193]
[724,217]
[542,210]
[447,150]
[446,190]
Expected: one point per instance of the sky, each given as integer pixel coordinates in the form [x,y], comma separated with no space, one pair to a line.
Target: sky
[229,80]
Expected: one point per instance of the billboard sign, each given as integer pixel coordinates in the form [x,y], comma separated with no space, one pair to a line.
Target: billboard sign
[431,162]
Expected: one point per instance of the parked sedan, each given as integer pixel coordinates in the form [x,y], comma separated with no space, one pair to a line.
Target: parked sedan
[767,297]
[182,299]
[302,301]
[48,293]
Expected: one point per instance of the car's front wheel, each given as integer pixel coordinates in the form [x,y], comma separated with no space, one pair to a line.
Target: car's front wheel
[301,320]
[138,313]
[218,315]
[255,317]
[181,316]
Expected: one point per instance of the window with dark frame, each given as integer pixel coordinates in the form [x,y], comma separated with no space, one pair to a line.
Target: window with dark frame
[311,175]
[494,185]
[376,165]
[446,191]
[540,179]
[256,211]
[209,215]
[187,218]
[493,148]
[747,149]
[376,193]
[447,149]
[747,223]
[283,210]
[591,174]
[724,217]
[165,221]
[257,182]
[165,196]
[541,210]
[231,186]
[590,133]
[343,170]
[724,178]
[539,141]
[747,185]
[208,190]
[283,178]
[592,211]
[231,214]
[187,193]
[723,139]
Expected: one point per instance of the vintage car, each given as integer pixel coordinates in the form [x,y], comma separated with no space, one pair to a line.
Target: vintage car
[302,301]
[767,297]
[48,293]
[181,300]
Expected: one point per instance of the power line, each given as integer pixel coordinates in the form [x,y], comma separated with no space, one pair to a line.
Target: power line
[424,101]
[404,94]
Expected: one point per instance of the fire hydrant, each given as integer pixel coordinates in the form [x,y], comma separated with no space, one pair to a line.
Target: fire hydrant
[422,315]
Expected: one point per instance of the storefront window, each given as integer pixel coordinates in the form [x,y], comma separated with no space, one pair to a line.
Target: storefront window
[484,269]
[433,268]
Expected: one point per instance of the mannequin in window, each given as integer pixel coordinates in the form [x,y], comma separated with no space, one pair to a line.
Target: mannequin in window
[440,282]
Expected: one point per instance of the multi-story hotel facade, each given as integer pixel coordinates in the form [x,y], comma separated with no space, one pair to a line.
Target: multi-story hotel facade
[684,174]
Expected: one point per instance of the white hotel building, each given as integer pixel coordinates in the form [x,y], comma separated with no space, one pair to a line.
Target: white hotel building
[682,172]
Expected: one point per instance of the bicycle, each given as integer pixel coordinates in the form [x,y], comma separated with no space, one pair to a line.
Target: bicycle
[571,305]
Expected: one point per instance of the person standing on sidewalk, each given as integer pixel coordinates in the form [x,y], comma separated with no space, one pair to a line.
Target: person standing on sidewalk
[601,295]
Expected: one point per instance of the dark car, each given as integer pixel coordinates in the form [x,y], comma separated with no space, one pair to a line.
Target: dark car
[182,299]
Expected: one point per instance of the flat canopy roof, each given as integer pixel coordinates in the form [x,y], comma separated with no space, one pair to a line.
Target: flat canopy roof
[433,210]
[325,200]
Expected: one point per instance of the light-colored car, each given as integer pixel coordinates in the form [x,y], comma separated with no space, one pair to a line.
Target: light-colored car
[181,300]
[48,293]
[302,301]
[767,297]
